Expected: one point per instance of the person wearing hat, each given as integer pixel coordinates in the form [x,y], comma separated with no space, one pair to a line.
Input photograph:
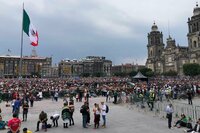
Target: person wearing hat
[25,130]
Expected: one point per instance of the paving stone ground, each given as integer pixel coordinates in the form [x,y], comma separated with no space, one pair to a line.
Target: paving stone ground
[119,119]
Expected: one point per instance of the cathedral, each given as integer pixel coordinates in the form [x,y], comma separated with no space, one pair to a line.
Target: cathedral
[172,57]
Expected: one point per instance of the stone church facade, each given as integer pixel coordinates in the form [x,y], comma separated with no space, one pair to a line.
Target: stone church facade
[172,57]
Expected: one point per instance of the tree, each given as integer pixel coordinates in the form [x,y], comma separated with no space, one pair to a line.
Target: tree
[85,74]
[170,73]
[98,74]
[191,69]
[120,74]
[132,73]
[146,72]
[149,73]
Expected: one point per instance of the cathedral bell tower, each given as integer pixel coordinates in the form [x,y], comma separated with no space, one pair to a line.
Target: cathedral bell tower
[194,35]
[155,48]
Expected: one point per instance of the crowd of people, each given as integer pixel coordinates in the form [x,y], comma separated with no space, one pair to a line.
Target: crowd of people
[22,94]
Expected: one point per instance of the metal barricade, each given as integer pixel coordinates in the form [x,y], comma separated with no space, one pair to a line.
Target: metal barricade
[190,111]
[197,112]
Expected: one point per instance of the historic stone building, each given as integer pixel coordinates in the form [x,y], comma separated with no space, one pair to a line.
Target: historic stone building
[126,68]
[163,58]
[90,65]
[10,66]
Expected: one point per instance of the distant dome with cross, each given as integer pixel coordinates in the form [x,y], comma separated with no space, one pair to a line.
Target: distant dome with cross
[154,27]
[196,10]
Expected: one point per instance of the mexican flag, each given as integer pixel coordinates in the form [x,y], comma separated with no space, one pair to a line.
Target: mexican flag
[29,29]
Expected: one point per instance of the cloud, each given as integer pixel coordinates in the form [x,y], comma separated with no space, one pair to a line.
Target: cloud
[116,29]
[132,60]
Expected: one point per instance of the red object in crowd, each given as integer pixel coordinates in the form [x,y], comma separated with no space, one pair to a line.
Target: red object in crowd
[14,124]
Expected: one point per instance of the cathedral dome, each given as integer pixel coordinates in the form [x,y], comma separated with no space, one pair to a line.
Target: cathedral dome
[154,27]
[196,10]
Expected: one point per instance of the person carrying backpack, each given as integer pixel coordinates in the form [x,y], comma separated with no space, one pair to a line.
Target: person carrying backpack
[65,115]
[84,111]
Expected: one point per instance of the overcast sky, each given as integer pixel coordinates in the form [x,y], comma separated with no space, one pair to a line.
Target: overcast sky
[116,29]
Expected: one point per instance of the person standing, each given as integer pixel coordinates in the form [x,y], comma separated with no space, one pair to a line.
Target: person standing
[103,113]
[108,96]
[14,124]
[65,115]
[88,115]
[151,100]
[97,112]
[84,111]
[71,111]
[115,97]
[17,105]
[13,105]
[169,111]
[52,94]
[31,100]
[56,96]
[25,108]
[189,94]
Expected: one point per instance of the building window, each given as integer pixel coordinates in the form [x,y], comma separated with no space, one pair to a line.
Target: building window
[194,27]
[190,28]
[169,59]
[193,61]
[195,44]
[151,53]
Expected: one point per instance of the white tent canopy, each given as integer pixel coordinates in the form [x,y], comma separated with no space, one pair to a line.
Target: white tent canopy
[139,76]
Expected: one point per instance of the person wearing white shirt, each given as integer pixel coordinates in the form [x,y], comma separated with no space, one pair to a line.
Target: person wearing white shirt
[169,111]
[103,113]
[54,119]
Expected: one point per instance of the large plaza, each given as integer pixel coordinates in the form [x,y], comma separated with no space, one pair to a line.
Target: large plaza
[119,119]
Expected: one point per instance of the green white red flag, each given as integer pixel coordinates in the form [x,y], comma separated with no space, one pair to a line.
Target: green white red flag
[29,29]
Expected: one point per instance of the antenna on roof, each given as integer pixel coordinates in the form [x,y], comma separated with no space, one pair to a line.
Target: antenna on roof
[9,52]
[168,28]
[33,53]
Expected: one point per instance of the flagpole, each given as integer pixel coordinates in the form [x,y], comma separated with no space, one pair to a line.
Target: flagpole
[21,53]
